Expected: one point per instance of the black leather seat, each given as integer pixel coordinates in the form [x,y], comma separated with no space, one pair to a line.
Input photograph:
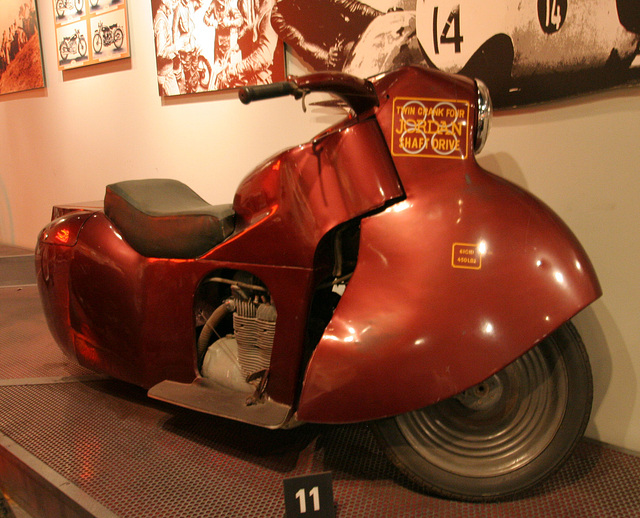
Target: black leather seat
[165,218]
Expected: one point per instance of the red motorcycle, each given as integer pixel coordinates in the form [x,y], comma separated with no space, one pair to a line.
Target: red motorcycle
[376,273]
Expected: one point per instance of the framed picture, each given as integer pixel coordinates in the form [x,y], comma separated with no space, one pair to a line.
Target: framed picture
[90,32]
[205,45]
[526,52]
[20,50]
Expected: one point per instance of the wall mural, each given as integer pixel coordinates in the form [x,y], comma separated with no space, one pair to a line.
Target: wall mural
[20,51]
[527,52]
[90,32]
[204,45]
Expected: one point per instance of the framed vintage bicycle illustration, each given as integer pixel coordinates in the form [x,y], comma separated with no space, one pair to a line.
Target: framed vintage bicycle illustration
[90,32]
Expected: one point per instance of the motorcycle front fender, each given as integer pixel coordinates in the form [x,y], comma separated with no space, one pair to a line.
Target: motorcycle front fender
[449,289]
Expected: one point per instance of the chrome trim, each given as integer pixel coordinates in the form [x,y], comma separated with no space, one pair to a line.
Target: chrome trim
[485,114]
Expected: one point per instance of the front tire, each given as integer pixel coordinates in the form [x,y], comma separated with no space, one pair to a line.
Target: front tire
[82,47]
[204,72]
[503,435]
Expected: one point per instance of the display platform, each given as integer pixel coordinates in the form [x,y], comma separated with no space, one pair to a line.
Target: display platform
[73,443]
[16,266]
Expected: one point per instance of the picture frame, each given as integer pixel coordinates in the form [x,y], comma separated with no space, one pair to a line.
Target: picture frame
[211,45]
[20,47]
[90,32]
[525,52]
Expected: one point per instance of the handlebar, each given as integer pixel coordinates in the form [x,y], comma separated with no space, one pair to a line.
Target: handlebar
[359,94]
[248,94]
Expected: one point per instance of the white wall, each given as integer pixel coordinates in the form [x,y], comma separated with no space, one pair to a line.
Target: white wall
[105,123]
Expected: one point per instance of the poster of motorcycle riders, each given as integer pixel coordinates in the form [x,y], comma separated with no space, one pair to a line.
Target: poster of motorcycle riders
[526,52]
[20,52]
[90,31]
[204,45]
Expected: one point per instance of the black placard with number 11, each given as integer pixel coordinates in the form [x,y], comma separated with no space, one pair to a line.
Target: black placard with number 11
[309,496]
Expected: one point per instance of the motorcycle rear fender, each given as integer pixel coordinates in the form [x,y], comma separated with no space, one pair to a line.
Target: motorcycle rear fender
[54,247]
[449,289]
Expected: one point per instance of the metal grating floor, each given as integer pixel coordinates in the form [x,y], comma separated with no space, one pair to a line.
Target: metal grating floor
[137,457]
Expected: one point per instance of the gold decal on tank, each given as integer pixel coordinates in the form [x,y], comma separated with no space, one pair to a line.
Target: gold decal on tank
[465,255]
[435,128]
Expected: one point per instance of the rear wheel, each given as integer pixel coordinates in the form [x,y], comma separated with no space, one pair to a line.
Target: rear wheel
[501,436]
[60,8]
[97,43]
[64,51]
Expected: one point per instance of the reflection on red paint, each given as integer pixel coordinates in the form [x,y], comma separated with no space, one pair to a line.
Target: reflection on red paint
[64,231]
[62,236]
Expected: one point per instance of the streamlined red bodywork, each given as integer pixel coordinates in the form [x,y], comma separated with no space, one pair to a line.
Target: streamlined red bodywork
[376,273]
[458,273]
[454,282]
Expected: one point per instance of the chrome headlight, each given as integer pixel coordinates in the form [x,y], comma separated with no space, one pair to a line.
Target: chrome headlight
[485,114]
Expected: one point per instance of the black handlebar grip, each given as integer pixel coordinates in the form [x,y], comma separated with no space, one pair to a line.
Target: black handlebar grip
[270,91]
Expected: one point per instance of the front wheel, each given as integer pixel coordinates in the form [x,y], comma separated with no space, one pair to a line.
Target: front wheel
[501,436]
[82,47]
[204,72]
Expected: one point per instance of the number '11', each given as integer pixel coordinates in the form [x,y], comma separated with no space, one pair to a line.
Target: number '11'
[313,493]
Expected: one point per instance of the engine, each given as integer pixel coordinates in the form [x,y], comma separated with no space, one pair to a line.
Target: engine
[242,329]
[254,326]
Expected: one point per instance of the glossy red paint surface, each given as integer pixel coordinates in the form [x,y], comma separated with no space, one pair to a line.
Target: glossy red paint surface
[452,284]
[132,317]
[287,205]
[459,272]
[52,273]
